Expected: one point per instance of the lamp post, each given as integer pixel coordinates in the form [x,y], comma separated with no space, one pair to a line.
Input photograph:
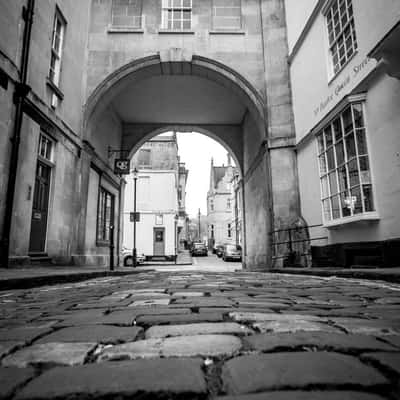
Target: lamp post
[135,176]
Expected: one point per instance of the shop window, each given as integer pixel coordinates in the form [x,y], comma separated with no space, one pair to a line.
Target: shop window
[176,15]
[105,216]
[227,15]
[346,185]
[341,33]
[126,14]
[57,47]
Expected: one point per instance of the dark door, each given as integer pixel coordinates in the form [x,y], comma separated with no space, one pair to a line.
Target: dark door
[40,208]
[159,241]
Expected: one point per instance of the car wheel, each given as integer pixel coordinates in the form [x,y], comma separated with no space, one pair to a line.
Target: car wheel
[128,261]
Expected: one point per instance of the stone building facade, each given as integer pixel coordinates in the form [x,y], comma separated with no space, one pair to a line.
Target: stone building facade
[221,205]
[106,74]
[347,127]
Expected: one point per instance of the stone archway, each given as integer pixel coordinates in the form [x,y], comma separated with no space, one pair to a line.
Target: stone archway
[128,105]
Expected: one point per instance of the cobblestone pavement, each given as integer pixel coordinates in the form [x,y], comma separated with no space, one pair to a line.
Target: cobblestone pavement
[202,335]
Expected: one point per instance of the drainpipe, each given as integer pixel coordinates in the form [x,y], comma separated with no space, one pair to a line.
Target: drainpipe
[20,93]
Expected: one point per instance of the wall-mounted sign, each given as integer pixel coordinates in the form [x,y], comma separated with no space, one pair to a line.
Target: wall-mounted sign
[134,217]
[122,166]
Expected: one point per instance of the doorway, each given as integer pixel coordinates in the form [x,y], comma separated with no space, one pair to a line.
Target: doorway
[37,243]
[159,242]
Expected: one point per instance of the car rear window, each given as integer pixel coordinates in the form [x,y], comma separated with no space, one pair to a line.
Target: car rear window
[232,247]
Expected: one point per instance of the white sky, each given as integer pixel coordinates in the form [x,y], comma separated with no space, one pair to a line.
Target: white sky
[196,151]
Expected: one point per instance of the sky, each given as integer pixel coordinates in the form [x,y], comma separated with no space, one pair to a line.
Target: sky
[196,151]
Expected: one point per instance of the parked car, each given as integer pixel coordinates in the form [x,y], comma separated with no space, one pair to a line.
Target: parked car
[127,257]
[199,249]
[219,250]
[232,252]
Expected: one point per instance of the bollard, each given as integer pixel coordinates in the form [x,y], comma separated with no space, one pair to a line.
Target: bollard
[111,248]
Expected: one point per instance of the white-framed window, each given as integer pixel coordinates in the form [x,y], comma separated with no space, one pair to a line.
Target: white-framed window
[176,15]
[211,205]
[105,216]
[229,230]
[227,15]
[46,148]
[126,13]
[341,33]
[346,184]
[159,219]
[57,42]
[212,231]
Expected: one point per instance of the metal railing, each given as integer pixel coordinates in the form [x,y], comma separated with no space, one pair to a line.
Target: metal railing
[293,245]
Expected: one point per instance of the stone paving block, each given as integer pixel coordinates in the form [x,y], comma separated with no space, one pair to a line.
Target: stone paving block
[93,334]
[321,340]
[149,296]
[150,303]
[305,395]
[181,346]
[368,326]
[203,302]
[145,377]
[392,339]
[6,347]
[261,317]
[22,334]
[292,326]
[49,354]
[254,373]
[180,318]
[187,294]
[388,360]
[196,329]
[163,310]
[12,378]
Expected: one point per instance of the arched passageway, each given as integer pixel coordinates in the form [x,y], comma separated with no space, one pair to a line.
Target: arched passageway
[175,90]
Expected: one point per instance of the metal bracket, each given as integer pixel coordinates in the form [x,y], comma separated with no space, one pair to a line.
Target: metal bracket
[111,151]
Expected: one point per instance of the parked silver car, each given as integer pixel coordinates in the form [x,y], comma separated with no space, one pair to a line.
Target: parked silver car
[232,252]
[127,258]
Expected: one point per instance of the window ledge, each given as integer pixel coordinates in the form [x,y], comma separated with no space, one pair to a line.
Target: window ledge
[227,32]
[56,90]
[336,74]
[124,29]
[366,217]
[175,32]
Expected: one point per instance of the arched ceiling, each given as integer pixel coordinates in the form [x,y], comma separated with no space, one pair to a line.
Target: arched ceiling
[178,99]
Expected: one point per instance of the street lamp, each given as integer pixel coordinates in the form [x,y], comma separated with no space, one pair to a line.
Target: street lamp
[134,259]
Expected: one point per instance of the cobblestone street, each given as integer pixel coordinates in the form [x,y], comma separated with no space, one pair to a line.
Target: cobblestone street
[200,335]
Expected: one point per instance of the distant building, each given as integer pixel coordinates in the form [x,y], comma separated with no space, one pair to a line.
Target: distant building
[220,204]
[161,184]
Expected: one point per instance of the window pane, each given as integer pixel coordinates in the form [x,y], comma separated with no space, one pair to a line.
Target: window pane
[337,129]
[324,186]
[333,182]
[365,174]
[347,120]
[331,159]
[356,198]
[320,141]
[328,136]
[340,152]
[350,146]
[346,206]
[327,209]
[358,116]
[368,198]
[361,142]
[322,164]
[343,184]
[353,173]
[335,207]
